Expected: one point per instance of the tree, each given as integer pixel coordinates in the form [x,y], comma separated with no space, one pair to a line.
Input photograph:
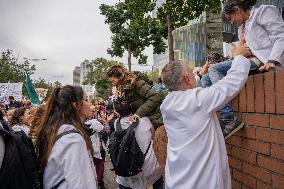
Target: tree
[133,29]
[11,70]
[154,75]
[176,13]
[97,77]
[42,83]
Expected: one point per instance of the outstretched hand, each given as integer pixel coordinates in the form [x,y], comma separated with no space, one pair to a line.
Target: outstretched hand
[267,66]
[241,50]
[134,117]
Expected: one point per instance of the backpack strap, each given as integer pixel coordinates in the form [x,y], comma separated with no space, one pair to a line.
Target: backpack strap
[4,132]
[133,125]
[118,124]
[58,184]
[57,138]
[148,148]
[66,133]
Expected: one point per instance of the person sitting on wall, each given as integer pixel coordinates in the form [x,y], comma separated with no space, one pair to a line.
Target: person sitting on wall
[262,31]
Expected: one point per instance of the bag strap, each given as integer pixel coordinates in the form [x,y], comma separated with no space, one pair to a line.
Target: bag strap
[58,184]
[57,138]
[3,131]
[66,133]
[148,148]
[118,124]
[133,125]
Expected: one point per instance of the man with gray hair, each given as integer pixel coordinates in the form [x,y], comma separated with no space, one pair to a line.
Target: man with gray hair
[196,152]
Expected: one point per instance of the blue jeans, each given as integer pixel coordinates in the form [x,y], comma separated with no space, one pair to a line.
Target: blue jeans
[159,184]
[205,81]
[217,72]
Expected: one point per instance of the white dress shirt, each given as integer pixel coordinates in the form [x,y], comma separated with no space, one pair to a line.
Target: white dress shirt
[70,160]
[196,152]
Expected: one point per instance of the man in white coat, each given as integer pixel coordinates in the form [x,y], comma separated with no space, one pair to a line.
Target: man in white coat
[196,152]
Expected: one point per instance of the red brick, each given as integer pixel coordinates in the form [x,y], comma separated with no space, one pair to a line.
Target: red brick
[277,122]
[235,104]
[248,132]
[229,149]
[278,181]
[259,93]
[249,181]
[244,155]
[263,134]
[261,185]
[243,100]
[235,140]
[246,187]
[258,172]
[236,184]
[256,120]
[243,178]
[279,88]
[235,163]
[277,152]
[270,135]
[250,94]
[270,164]
[256,146]
[269,92]
[237,175]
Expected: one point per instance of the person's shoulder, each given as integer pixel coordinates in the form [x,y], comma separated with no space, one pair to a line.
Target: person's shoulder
[70,137]
[267,9]
[145,120]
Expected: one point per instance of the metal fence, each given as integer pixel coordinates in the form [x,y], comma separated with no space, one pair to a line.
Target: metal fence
[189,44]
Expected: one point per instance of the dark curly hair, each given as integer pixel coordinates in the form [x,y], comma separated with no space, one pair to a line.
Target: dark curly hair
[229,6]
[123,107]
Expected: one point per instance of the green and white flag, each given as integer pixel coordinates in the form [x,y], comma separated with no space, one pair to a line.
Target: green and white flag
[31,90]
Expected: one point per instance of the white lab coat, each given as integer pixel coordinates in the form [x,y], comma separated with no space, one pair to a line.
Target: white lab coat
[70,160]
[265,34]
[196,152]
[95,138]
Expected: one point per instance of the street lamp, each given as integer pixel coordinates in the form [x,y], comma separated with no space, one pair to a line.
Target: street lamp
[35,59]
[26,63]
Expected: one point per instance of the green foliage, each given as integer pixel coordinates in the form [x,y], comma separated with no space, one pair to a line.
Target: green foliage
[97,76]
[183,11]
[133,28]
[41,83]
[12,71]
[154,75]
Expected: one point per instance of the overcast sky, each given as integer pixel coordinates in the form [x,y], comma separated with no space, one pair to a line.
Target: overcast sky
[65,32]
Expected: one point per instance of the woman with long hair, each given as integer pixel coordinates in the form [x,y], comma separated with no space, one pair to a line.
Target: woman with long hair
[63,145]
[21,120]
[145,101]
[36,113]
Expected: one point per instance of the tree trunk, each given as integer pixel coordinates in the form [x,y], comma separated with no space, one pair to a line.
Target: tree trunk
[170,38]
[129,58]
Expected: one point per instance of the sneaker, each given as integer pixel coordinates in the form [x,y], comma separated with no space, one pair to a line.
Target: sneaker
[232,127]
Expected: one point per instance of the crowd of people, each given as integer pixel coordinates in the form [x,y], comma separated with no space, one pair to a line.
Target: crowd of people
[72,135]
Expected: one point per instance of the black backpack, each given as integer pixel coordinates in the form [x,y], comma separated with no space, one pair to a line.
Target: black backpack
[19,168]
[125,153]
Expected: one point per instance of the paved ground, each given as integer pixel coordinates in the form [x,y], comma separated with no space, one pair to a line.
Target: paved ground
[109,176]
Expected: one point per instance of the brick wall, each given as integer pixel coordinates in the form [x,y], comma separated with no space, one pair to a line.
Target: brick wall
[256,153]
